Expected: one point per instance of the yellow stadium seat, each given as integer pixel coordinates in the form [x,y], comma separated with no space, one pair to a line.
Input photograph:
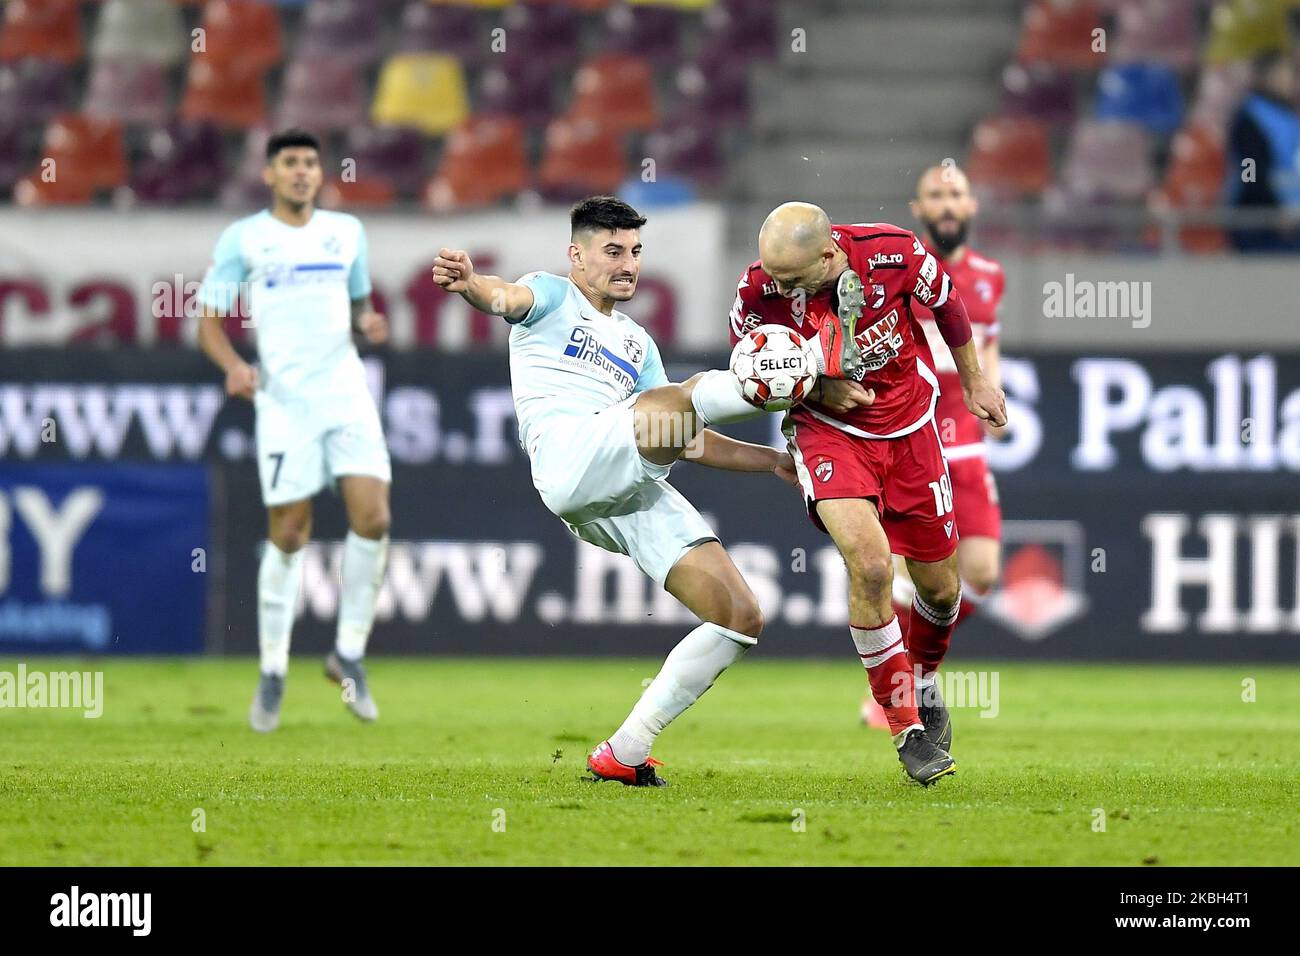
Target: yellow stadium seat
[1243,29]
[424,91]
[485,4]
[675,4]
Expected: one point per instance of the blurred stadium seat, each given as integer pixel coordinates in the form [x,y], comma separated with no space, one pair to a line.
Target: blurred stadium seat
[453,31]
[689,149]
[391,152]
[1243,29]
[140,31]
[323,95]
[546,32]
[80,156]
[230,93]
[1010,157]
[339,31]
[648,32]
[1158,31]
[1145,93]
[34,90]
[1061,32]
[714,85]
[581,157]
[484,163]
[242,32]
[425,91]
[1107,160]
[44,29]
[183,164]
[615,91]
[745,29]
[519,86]
[1039,90]
[1194,181]
[129,91]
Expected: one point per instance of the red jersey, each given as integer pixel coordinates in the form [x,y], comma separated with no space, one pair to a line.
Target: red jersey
[980,282]
[898,273]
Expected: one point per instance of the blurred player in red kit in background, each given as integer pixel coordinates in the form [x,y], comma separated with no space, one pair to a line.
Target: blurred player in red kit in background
[866,444]
[945,207]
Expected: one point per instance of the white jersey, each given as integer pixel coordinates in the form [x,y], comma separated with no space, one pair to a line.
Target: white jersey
[298,284]
[568,358]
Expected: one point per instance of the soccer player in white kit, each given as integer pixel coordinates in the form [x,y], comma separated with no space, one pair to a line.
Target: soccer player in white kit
[302,275]
[602,427]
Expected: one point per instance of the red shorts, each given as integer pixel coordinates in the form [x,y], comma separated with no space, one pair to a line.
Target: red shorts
[975,498]
[906,478]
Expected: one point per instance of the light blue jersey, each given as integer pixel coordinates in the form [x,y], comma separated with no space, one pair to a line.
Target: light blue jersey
[299,283]
[568,358]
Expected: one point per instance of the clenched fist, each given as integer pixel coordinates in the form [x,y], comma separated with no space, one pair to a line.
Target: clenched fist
[452,269]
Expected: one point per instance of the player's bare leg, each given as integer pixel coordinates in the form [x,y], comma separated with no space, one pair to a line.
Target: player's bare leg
[668,418]
[935,607]
[854,526]
[365,552]
[707,582]
[278,579]
[979,562]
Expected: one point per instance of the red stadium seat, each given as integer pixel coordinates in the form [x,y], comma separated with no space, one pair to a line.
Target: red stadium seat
[615,91]
[581,157]
[44,29]
[483,164]
[243,32]
[67,190]
[369,192]
[80,155]
[1194,181]
[230,94]
[1061,32]
[1010,157]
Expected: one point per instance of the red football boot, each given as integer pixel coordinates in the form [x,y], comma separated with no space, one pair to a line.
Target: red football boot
[605,766]
[837,339]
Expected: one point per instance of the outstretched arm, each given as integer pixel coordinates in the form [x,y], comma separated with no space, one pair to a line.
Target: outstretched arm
[718,451]
[453,271]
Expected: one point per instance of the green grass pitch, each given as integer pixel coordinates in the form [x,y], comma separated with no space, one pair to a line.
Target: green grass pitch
[481,762]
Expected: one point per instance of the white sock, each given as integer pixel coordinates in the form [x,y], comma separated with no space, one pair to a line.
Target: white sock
[278,578]
[363,573]
[717,399]
[689,670]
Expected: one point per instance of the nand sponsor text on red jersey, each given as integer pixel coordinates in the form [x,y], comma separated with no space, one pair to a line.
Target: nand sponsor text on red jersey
[75,908]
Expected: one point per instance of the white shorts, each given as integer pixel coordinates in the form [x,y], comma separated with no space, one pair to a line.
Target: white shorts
[590,474]
[296,458]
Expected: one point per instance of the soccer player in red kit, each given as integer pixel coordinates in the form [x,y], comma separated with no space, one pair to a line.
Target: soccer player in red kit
[945,206]
[866,448]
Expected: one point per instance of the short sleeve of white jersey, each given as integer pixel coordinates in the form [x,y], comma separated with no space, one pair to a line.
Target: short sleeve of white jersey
[220,289]
[359,275]
[549,292]
[652,369]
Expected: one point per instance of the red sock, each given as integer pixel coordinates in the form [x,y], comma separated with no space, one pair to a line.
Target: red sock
[889,672]
[928,634]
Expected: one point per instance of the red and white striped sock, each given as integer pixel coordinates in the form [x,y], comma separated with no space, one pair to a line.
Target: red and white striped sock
[890,674]
[928,635]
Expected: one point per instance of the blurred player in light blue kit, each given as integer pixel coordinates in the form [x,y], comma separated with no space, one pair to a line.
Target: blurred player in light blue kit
[602,427]
[302,275]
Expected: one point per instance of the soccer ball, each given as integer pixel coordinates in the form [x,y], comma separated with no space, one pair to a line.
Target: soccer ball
[776,367]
